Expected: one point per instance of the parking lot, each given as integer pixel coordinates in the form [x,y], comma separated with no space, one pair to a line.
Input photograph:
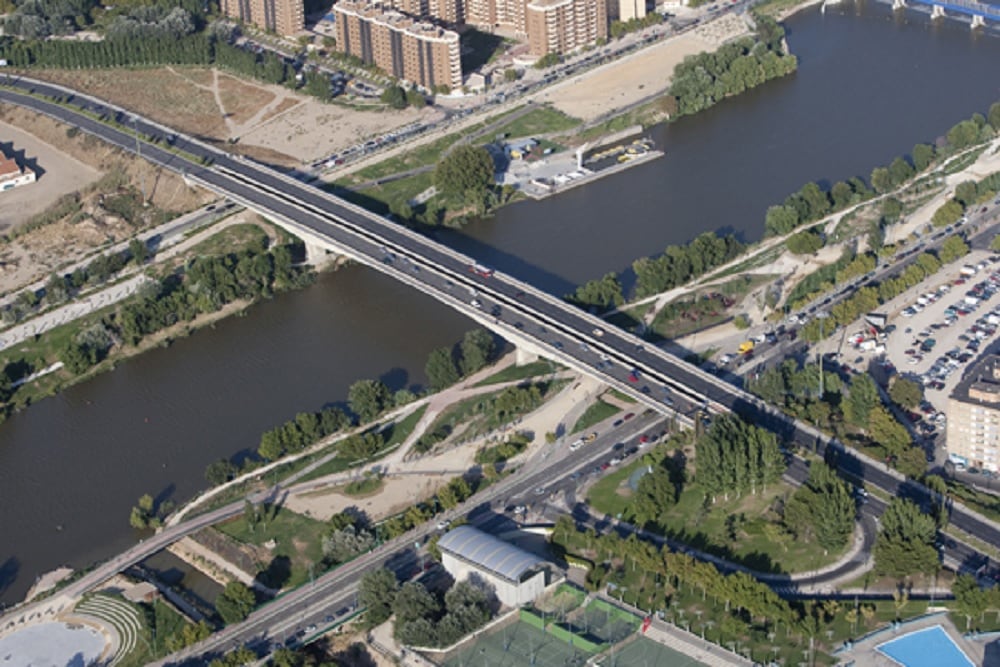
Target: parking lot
[934,332]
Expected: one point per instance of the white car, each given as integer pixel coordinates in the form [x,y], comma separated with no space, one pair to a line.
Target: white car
[576,444]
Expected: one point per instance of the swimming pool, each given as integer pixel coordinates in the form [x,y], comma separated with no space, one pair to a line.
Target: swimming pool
[930,647]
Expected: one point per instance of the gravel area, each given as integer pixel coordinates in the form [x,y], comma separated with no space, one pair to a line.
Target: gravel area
[52,645]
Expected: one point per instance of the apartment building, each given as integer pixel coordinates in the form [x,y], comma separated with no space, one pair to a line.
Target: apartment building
[285,17]
[561,26]
[631,9]
[973,413]
[400,45]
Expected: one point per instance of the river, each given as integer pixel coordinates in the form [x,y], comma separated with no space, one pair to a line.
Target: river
[869,86]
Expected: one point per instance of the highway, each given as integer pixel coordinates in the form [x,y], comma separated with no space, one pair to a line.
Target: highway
[518,310]
[567,333]
[333,594]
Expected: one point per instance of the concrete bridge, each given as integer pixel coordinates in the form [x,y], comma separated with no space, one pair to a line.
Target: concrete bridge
[977,12]
[535,321]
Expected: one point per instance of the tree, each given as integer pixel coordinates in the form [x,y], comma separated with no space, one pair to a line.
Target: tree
[376,593]
[954,247]
[240,656]
[220,472]
[440,368]
[601,294]
[947,213]
[735,456]
[413,601]
[923,156]
[235,602]
[138,251]
[966,193]
[905,545]
[861,400]
[900,171]
[906,393]
[822,507]
[466,174]
[478,347]
[780,220]
[970,599]
[892,208]
[368,398]
[394,96]
[881,180]
[415,98]
[805,242]
[885,430]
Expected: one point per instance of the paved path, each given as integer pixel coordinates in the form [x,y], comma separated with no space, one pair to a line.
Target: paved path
[121,290]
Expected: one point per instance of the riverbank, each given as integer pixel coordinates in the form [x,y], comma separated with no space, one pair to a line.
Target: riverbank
[48,340]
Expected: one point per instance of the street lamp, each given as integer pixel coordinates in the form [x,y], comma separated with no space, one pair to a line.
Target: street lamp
[138,151]
[822,315]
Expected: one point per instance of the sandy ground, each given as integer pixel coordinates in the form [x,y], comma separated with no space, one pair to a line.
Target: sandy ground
[36,254]
[636,77]
[271,123]
[57,174]
[425,475]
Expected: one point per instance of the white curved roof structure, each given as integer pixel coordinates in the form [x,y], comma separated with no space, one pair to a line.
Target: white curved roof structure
[488,553]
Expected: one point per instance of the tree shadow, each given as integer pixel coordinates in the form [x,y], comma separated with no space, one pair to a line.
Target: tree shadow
[277,574]
[8,573]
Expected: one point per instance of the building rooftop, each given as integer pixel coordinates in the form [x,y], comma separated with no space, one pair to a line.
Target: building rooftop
[488,553]
[8,167]
[981,385]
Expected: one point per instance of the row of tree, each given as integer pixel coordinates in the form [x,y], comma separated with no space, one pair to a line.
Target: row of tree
[868,298]
[812,203]
[823,508]
[447,365]
[422,617]
[702,80]
[677,265]
[853,412]
[61,288]
[734,456]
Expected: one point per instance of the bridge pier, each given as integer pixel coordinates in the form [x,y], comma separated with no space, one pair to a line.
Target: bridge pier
[317,255]
[524,356]
[937,12]
[898,4]
[978,21]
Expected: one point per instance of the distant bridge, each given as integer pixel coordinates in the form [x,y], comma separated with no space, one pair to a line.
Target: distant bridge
[979,12]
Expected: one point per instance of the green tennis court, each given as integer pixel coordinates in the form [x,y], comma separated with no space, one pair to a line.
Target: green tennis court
[646,653]
[519,645]
[606,622]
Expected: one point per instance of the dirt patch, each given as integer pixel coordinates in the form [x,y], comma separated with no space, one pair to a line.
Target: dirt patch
[398,493]
[634,78]
[242,101]
[282,107]
[167,95]
[57,174]
[33,255]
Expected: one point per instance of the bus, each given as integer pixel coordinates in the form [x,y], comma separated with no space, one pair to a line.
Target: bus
[481,270]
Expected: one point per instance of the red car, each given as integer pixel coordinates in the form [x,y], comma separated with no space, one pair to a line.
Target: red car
[629,416]
[644,439]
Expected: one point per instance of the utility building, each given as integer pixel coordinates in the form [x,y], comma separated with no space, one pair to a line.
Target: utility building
[517,576]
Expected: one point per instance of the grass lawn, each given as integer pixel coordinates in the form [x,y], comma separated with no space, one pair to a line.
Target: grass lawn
[168,623]
[610,495]
[706,307]
[596,413]
[753,537]
[542,120]
[363,487]
[622,397]
[297,538]
[389,195]
[514,372]
[230,239]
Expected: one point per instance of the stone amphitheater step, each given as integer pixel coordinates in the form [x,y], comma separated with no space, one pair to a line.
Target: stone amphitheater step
[123,618]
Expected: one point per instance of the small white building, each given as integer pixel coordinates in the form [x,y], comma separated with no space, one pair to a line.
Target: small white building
[517,576]
[12,176]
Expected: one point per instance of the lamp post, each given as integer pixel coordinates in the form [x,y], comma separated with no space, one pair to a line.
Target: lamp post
[822,315]
[138,151]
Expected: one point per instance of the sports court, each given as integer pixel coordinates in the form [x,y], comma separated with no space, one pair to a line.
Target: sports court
[647,653]
[519,645]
